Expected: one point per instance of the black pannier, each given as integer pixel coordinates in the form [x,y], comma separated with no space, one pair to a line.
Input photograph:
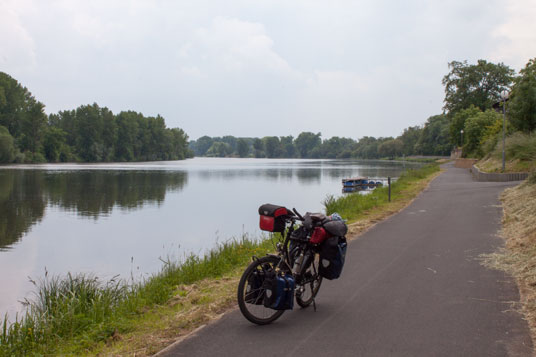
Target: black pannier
[254,289]
[272,217]
[332,255]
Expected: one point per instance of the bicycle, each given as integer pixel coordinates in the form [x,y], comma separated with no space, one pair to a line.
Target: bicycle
[297,262]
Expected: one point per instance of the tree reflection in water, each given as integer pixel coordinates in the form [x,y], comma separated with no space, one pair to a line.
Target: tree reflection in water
[25,194]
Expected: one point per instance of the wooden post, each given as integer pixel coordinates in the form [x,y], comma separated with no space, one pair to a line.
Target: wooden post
[389,183]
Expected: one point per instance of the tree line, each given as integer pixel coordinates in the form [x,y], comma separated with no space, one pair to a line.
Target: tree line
[89,133]
[472,104]
[429,139]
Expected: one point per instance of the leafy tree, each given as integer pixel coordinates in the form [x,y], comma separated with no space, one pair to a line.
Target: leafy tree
[127,131]
[457,124]
[367,148]
[287,146]
[409,139]
[219,149]
[479,85]
[258,147]
[202,145]
[475,130]
[272,146]
[53,143]
[522,105]
[14,100]
[434,139]
[391,148]
[306,142]
[242,147]
[333,148]
[7,146]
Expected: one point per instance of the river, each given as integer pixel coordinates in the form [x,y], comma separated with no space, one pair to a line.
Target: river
[123,218]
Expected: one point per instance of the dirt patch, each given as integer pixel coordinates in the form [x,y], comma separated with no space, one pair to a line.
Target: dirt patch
[464,163]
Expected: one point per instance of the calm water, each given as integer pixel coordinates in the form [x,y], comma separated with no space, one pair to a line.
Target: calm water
[112,219]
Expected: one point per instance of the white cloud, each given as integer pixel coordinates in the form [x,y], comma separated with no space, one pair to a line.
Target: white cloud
[233,45]
[516,37]
[16,45]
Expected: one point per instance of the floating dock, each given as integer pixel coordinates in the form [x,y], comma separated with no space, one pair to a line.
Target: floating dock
[359,184]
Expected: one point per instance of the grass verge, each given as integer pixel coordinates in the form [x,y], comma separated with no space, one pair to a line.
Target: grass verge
[82,315]
[79,314]
[518,257]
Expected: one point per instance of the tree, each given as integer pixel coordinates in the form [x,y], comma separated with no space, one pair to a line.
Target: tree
[53,143]
[258,147]
[434,139]
[7,146]
[479,85]
[457,124]
[409,139]
[334,147]
[391,148]
[32,127]
[287,145]
[202,145]
[306,142]
[219,149]
[242,147]
[475,130]
[272,146]
[522,105]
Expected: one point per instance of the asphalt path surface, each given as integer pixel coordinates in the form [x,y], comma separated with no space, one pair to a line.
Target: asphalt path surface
[412,285]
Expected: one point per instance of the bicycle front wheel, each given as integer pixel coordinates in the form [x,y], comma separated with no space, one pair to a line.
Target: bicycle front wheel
[309,285]
[251,292]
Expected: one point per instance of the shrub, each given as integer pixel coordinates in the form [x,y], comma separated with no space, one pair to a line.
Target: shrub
[519,146]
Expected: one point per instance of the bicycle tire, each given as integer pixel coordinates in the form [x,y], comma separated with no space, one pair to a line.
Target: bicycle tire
[256,313]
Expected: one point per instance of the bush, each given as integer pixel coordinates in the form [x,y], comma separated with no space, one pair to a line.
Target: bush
[519,146]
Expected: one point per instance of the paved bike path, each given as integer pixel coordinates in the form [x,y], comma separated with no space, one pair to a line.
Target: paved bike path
[411,286]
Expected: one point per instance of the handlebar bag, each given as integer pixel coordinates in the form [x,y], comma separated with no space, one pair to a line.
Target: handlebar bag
[279,292]
[272,218]
[254,290]
[332,256]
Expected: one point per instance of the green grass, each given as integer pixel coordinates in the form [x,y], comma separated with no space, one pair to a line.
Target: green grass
[73,314]
[519,146]
[354,205]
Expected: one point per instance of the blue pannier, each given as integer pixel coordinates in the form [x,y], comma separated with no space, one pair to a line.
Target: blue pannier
[279,292]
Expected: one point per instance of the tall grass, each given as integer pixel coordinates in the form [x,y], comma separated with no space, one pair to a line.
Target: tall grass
[71,314]
[353,205]
[518,146]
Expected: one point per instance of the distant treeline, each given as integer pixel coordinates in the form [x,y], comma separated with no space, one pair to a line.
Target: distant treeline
[87,134]
[430,139]
[472,119]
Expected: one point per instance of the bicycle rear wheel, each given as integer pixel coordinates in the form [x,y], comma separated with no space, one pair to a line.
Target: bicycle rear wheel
[251,293]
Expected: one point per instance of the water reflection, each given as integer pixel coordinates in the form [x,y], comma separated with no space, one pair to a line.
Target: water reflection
[21,204]
[24,195]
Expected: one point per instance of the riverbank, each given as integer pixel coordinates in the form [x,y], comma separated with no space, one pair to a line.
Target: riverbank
[518,257]
[83,315]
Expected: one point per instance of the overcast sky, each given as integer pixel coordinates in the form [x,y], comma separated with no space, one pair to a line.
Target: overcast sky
[258,68]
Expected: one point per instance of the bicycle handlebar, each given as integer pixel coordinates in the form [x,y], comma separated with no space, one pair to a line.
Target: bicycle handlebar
[297,214]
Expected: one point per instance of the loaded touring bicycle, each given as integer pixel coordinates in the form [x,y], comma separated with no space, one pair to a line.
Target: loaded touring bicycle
[311,247]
